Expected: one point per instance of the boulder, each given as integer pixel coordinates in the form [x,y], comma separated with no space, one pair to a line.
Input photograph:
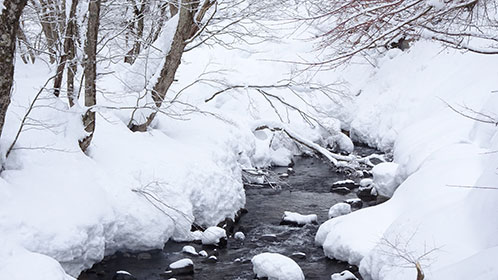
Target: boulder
[276,266]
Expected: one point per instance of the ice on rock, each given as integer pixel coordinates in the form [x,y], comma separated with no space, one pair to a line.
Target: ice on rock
[189,250]
[212,235]
[339,209]
[345,275]
[292,218]
[276,267]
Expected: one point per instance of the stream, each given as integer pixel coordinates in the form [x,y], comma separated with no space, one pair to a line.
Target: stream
[306,191]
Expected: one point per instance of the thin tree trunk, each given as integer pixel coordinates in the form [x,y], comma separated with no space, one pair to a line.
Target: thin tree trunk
[68,48]
[185,30]
[91,71]
[139,18]
[9,23]
[420,272]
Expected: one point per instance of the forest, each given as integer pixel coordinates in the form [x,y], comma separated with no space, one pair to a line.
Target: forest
[248,139]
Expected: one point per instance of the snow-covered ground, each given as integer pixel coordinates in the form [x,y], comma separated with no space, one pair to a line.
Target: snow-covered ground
[435,217]
[61,210]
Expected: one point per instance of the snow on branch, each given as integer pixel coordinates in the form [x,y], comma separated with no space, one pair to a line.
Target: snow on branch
[336,159]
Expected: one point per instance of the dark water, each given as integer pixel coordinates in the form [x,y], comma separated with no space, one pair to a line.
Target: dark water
[306,192]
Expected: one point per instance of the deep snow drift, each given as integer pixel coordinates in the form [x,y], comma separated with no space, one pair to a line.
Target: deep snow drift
[435,217]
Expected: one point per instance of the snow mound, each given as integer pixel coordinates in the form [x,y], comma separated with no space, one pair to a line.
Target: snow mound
[181,263]
[299,219]
[212,235]
[339,209]
[276,267]
[384,178]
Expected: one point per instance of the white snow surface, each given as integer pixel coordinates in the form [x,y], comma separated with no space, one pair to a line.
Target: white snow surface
[189,250]
[440,157]
[345,275]
[384,178]
[276,267]
[339,209]
[62,208]
[212,235]
[299,218]
[181,263]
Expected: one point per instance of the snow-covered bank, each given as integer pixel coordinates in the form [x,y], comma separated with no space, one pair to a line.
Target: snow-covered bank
[435,217]
[64,210]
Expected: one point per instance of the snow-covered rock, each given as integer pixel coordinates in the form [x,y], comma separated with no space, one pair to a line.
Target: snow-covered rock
[339,209]
[213,235]
[203,253]
[384,177]
[123,275]
[366,182]
[276,267]
[181,263]
[189,250]
[239,236]
[296,219]
[354,202]
[350,184]
[180,267]
[345,275]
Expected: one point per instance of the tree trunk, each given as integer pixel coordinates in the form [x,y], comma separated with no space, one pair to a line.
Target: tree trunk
[420,272]
[185,30]
[132,55]
[9,23]
[68,49]
[90,72]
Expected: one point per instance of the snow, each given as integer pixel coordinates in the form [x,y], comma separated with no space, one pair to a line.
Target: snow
[435,151]
[366,182]
[61,210]
[345,275]
[203,253]
[189,250]
[181,264]
[123,272]
[343,182]
[299,218]
[239,235]
[339,209]
[212,235]
[384,178]
[276,267]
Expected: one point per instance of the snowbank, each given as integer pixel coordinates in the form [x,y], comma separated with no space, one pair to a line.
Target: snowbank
[435,217]
[135,191]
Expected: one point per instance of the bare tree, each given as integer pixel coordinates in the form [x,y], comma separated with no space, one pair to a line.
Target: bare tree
[68,54]
[190,16]
[90,65]
[9,24]
[354,27]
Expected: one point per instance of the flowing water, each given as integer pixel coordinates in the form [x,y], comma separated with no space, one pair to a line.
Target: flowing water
[307,191]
